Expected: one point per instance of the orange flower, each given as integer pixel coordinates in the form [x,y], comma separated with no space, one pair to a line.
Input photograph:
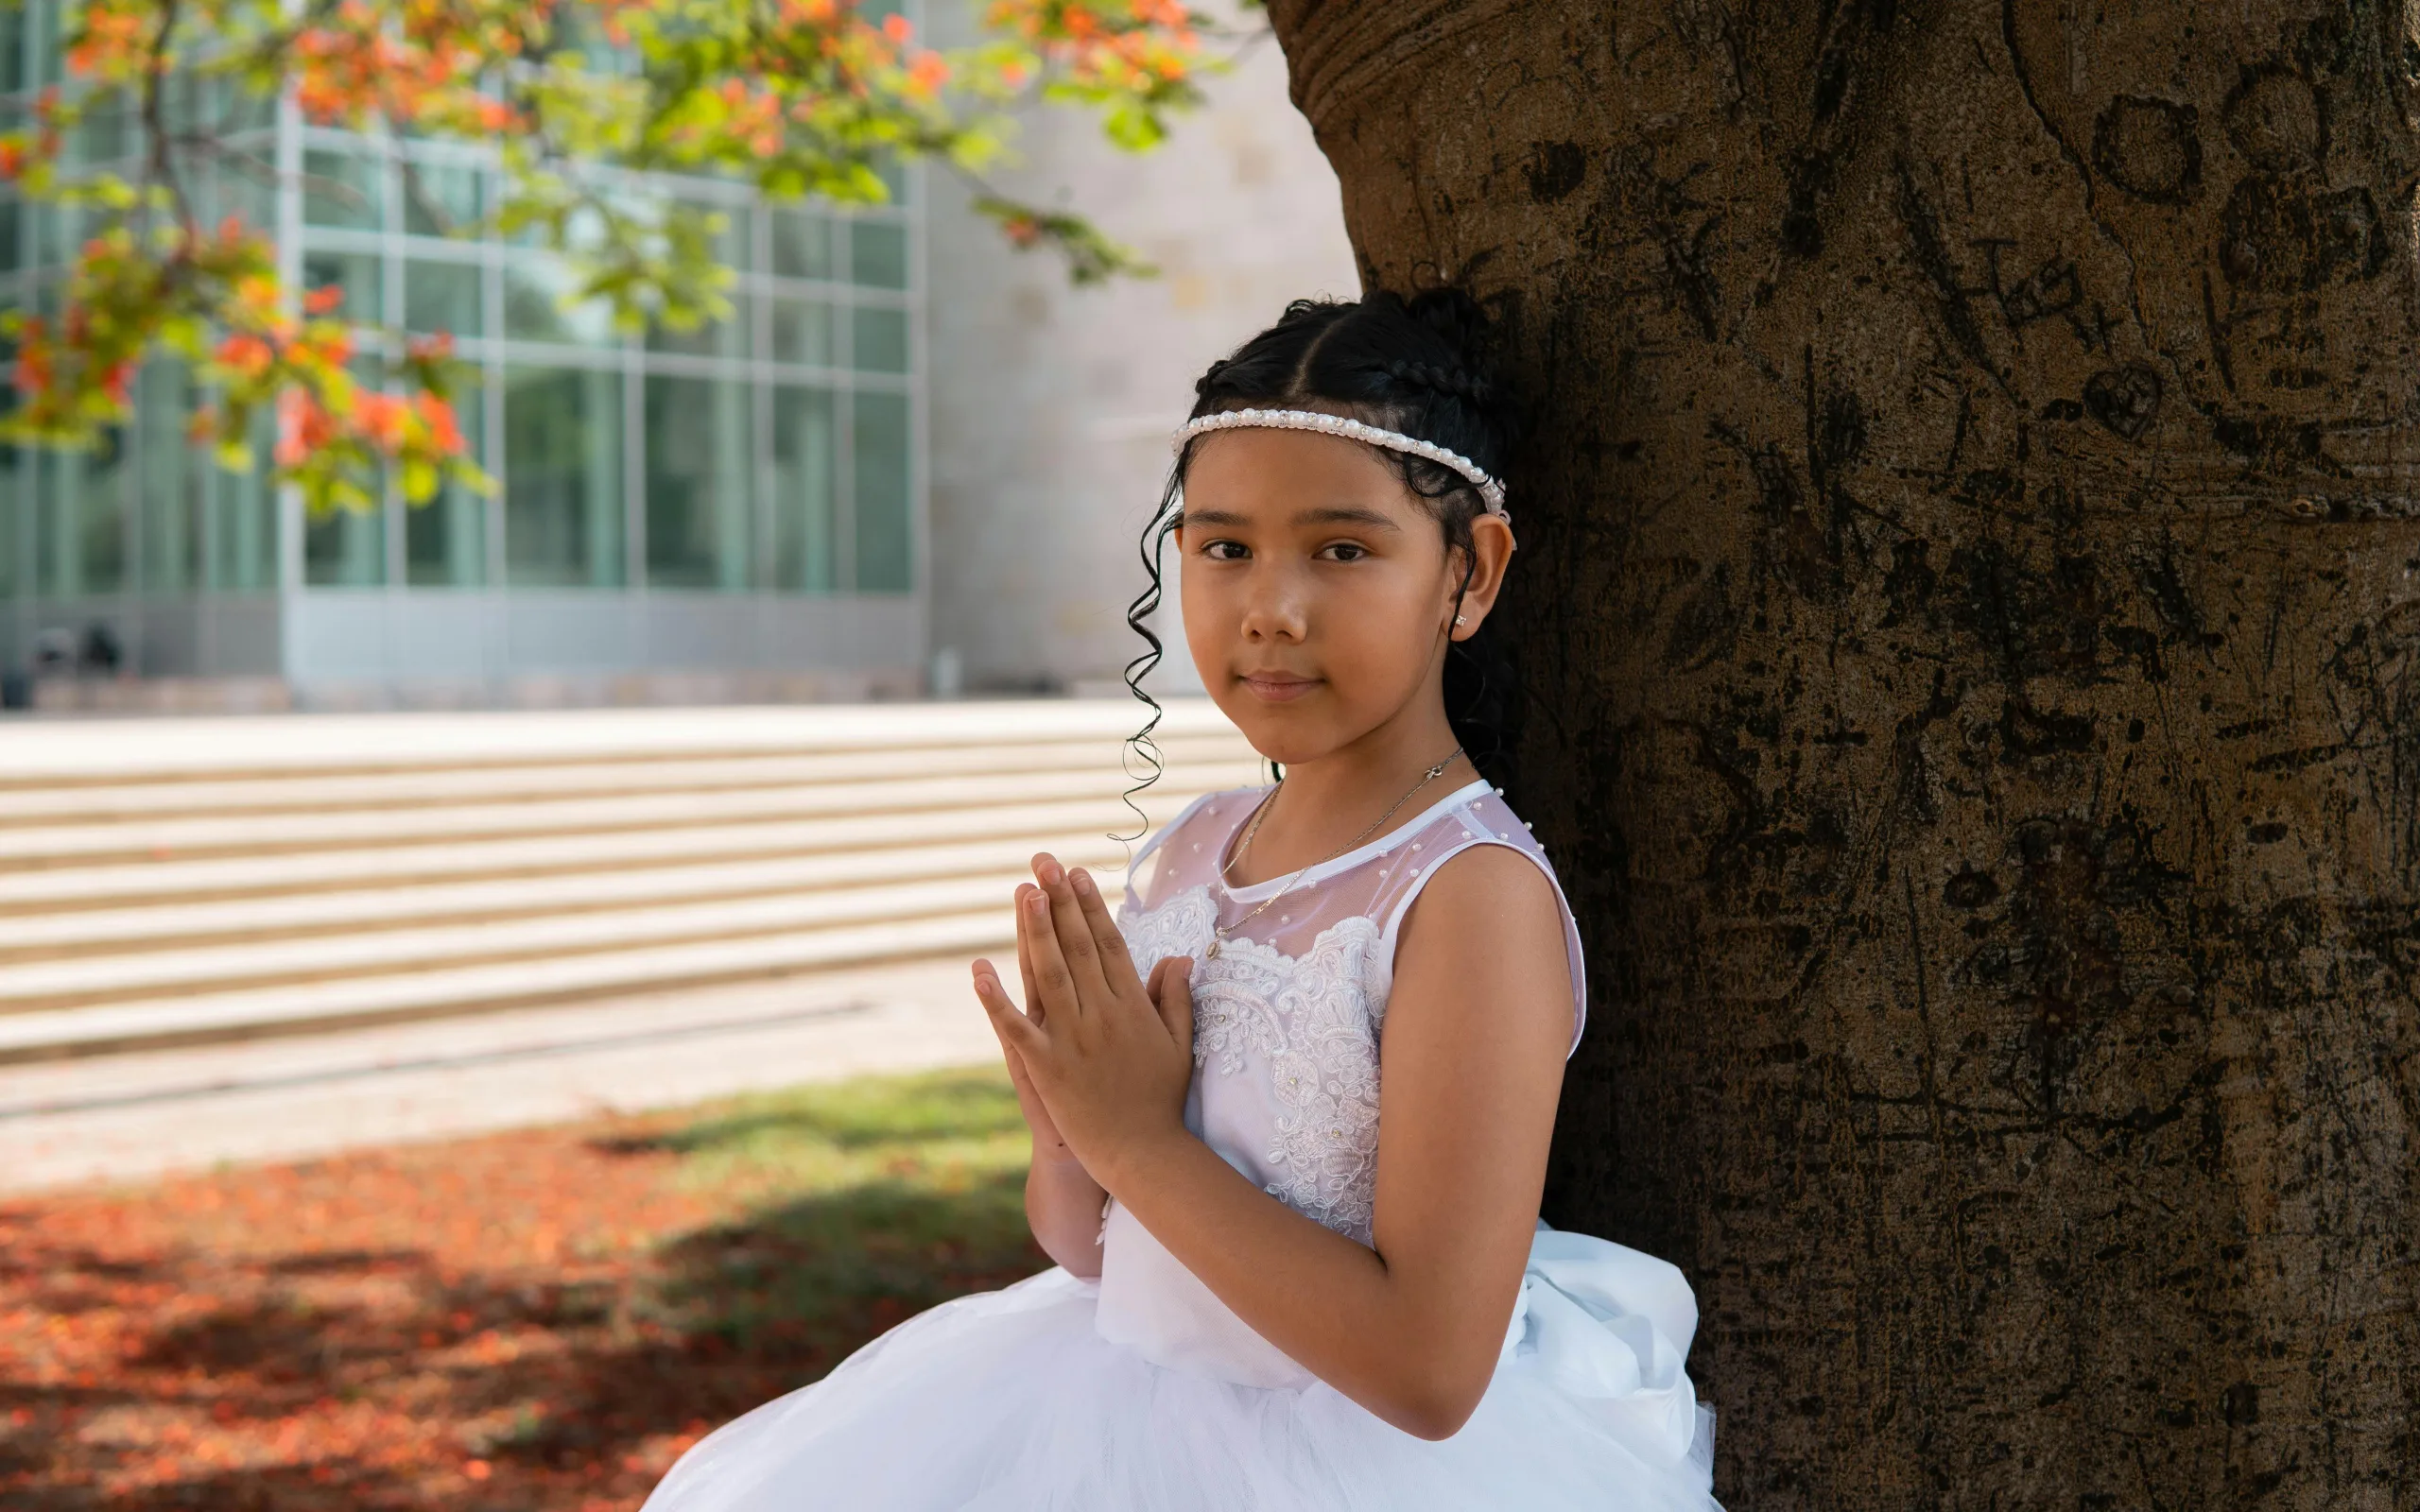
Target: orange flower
[444,432]
[257,293]
[383,417]
[302,427]
[246,354]
[323,299]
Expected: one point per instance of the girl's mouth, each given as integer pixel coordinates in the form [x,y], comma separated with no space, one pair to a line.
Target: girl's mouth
[1277,687]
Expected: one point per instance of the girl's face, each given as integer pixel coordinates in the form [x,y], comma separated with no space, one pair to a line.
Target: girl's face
[1319,594]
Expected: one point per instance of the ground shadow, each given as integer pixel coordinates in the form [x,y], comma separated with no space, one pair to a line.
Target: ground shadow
[554,1382]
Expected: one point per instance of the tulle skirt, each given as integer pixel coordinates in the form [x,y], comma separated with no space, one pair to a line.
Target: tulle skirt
[1012,1401]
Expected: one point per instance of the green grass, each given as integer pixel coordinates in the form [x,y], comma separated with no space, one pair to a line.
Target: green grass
[864,1201]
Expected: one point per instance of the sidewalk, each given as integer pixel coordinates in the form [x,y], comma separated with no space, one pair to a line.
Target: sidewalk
[126,1117]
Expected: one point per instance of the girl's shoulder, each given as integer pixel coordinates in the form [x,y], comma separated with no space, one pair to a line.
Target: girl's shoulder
[1502,852]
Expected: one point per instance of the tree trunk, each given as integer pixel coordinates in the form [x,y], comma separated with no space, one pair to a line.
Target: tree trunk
[1971,596]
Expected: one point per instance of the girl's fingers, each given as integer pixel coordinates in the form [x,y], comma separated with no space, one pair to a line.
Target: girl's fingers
[1025,953]
[1019,1035]
[1054,986]
[1076,948]
[987,980]
[1116,965]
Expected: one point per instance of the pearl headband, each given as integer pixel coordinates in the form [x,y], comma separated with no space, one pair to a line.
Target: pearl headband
[1491,492]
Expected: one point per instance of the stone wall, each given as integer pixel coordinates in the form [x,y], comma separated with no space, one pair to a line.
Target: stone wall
[1051,404]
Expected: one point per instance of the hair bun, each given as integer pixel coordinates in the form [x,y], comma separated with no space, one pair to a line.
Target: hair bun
[1453,382]
[1454,318]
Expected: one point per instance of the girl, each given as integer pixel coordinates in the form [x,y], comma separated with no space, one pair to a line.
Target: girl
[1270,1295]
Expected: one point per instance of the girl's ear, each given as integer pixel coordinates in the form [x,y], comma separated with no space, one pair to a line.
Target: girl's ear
[1491,553]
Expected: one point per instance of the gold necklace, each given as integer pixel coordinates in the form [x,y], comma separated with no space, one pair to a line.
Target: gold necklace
[1220,932]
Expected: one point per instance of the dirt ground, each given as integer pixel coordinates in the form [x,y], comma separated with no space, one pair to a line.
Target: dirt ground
[537,1321]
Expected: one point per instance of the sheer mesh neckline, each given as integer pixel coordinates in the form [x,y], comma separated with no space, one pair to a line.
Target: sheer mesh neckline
[1254,892]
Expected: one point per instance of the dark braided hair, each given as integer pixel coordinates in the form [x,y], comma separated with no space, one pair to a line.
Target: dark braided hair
[1410,366]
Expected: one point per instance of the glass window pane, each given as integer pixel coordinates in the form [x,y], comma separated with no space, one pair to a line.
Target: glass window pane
[802,244]
[241,108]
[16,500]
[174,476]
[13,48]
[805,468]
[42,536]
[245,190]
[341,189]
[357,275]
[16,488]
[878,254]
[562,477]
[533,311]
[443,296]
[880,339]
[445,539]
[244,520]
[345,548]
[712,338]
[80,520]
[184,103]
[443,199]
[731,244]
[54,227]
[799,331]
[45,50]
[698,465]
[105,133]
[885,525]
[12,221]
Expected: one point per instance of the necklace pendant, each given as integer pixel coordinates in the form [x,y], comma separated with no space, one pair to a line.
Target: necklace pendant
[1212,953]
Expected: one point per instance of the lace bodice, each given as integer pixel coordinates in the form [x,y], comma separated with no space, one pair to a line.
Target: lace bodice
[1288,1017]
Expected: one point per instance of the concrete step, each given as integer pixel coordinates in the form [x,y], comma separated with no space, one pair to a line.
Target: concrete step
[207,1018]
[187,796]
[226,968]
[320,911]
[59,753]
[183,881]
[172,880]
[52,845]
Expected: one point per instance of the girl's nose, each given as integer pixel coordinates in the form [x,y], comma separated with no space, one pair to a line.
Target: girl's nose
[1275,610]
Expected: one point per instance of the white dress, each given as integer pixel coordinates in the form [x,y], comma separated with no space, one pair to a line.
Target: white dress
[1142,1392]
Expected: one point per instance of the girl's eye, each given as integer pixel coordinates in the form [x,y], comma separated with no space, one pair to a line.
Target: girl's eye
[1224,551]
[1346,551]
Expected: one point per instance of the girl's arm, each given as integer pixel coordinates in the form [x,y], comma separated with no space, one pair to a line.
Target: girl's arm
[1476,1029]
[1063,1203]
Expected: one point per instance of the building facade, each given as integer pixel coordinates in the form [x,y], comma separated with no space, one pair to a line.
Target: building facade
[735,511]
[738,512]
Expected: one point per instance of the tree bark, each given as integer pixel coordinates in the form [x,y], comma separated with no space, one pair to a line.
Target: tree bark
[1970,589]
